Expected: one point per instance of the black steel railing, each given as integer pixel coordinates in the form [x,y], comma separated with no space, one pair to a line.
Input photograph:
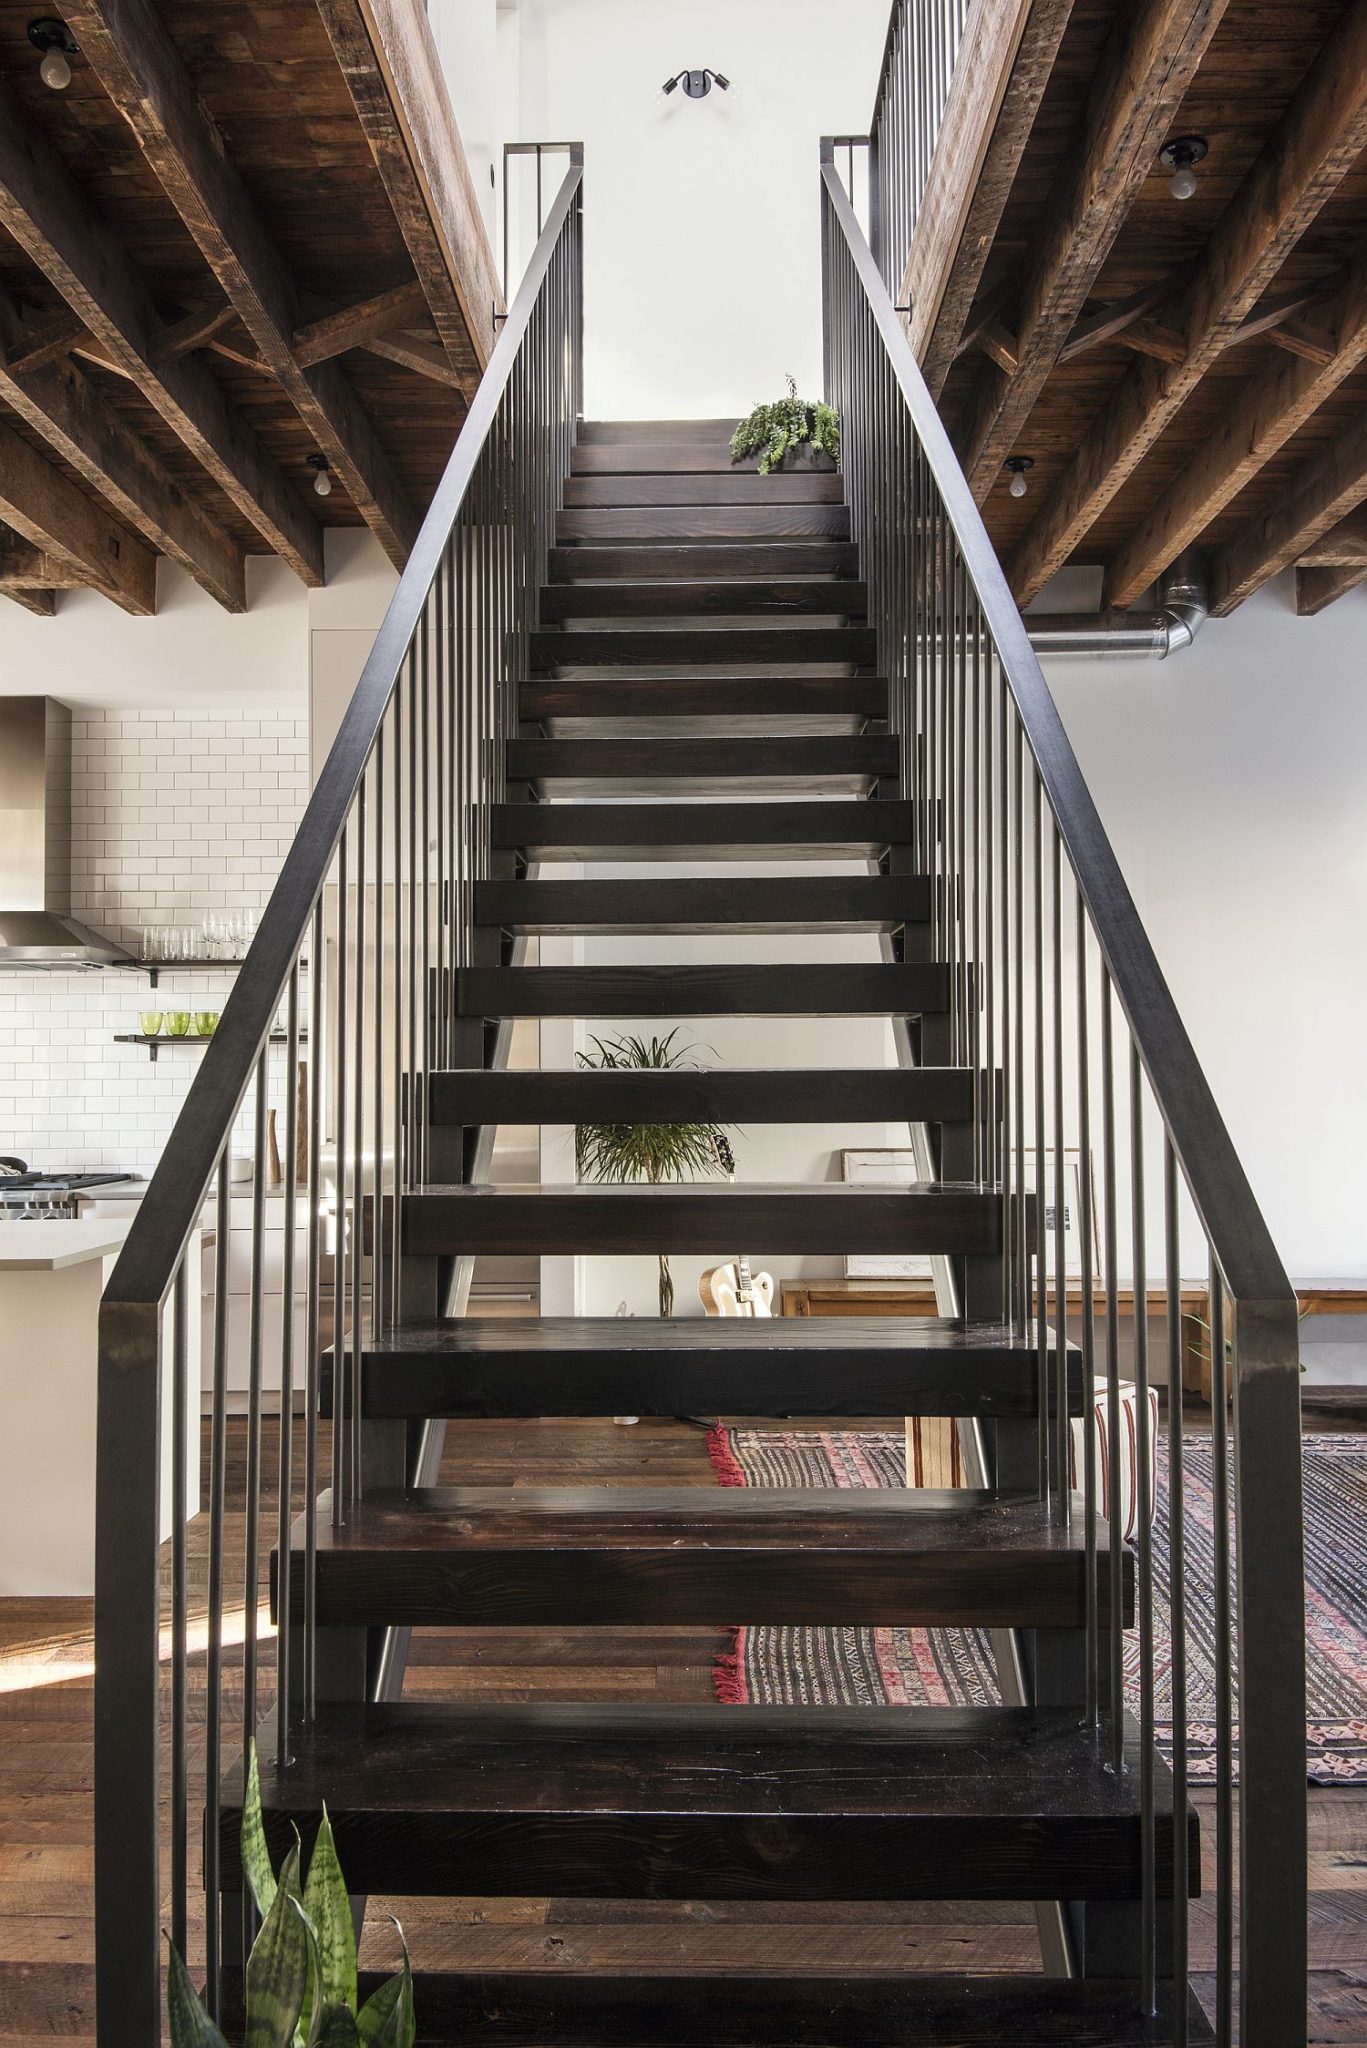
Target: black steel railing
[919,55]
[341,1011]
[1061,1010]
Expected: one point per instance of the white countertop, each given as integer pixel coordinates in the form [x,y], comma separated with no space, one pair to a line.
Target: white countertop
[46,1247]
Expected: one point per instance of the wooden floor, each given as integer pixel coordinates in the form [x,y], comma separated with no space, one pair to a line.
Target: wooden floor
[46,1855]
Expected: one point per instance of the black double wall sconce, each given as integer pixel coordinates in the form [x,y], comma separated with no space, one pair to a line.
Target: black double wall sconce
[697,84]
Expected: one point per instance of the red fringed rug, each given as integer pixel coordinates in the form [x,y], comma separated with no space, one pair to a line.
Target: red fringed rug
[770,1666]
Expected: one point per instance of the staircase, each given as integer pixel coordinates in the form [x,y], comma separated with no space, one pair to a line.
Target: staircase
[611,648]
[688,601]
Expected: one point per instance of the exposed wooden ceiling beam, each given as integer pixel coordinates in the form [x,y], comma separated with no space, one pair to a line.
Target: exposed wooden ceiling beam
[1317,141]
[1152,338]
[25,567]
[1327,487]
[1005,57]
[1092,329]
[55,515]
[1259,419]
[49,216]
[1269,313]
[195,330]
[126,45]
[393,73]
[59,402]
[999,345]
[1150,59]
[1318,588]
[422,356]
[1341,547]
[46,343]
[1304,338]
[354,325]
[40,601]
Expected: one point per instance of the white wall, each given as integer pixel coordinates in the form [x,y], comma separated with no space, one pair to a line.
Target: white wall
[701,227]
[1233,782]
[466,36]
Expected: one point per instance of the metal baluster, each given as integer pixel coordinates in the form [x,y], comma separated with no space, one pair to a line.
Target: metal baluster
[313,1316]
[1177,1594]
[358,1190]
[284,1537]
[1087,1223]
[1224,1667]
[340,1488]
[213,1689]
[1144,1521]
[1041,1196]
[182,1446]
[251,1572]
[1115,1553]
[1063,1495]
[378,1268]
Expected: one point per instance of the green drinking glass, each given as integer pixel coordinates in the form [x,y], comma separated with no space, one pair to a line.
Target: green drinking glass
[205,1021]
[177,1023]
[149,1023]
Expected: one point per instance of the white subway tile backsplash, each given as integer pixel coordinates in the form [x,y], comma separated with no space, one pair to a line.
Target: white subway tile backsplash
[163,832]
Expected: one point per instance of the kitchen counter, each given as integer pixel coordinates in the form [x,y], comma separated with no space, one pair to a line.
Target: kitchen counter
[45,1247]
[52,1275]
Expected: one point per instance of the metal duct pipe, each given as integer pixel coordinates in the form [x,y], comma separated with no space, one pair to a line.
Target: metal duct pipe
[1183,594]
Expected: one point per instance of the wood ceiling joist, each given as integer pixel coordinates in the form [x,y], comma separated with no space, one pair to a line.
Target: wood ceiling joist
[353,326]
[1258,420]
[1103,325]
[126,44]
[62,406]
[390,64]
[1318,588]
[423,356]
[1341,547]
[46,212]
[55,516]
[1007,53]
[1316,143]
[1151,58]
[1328,486]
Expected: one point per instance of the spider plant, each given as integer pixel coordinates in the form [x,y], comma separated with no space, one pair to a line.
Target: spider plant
[301,1974]
[622,1153]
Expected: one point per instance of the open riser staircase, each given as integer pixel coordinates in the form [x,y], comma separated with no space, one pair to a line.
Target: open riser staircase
[612,647]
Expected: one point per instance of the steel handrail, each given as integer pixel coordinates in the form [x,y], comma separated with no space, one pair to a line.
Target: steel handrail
[169,1211]
[1229,1212]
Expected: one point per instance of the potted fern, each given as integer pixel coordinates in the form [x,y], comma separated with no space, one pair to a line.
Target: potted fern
[623,1153]
[792,433]
[301,1974]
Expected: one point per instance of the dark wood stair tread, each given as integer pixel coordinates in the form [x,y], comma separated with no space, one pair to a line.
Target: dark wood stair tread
[701,559]
[770,989]
[938,1217]
[826,830]
[591,765]
[520,1556]
[611,1801]
[657,523]
[777,2009]
[724,698]
[764,903]
[727,597]
[627,1365]
[717,646]
[549,1095]
[726,487]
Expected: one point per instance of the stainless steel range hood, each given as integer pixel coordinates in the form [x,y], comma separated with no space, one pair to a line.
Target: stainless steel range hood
[36,926]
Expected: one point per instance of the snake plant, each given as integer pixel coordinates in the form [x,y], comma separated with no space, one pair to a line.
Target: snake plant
[301,1975]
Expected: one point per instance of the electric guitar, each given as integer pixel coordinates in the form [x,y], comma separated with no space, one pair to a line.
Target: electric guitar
[732,1290]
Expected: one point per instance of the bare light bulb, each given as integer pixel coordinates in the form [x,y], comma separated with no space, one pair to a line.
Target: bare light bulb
[1018,486]
[55,70]
[322,484]
[1183,184]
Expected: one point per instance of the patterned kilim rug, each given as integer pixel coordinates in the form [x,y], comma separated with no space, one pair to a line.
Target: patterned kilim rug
[770,1666]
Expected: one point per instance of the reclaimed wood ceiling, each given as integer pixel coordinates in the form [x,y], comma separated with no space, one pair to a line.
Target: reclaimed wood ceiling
[1181,373]
[245,237]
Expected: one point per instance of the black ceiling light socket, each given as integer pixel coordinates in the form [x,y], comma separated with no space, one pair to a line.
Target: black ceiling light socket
[50,33]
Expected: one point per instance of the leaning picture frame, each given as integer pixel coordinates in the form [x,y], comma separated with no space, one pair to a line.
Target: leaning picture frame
[881,1165]
[1074,1264]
